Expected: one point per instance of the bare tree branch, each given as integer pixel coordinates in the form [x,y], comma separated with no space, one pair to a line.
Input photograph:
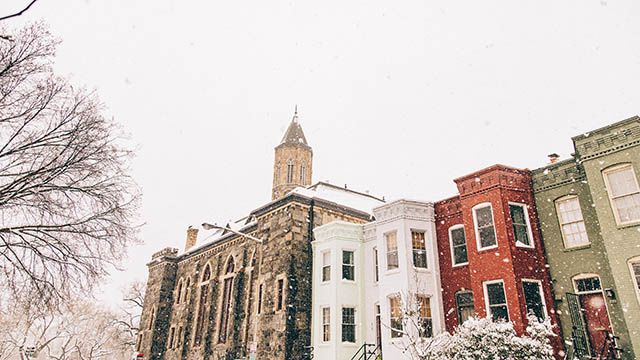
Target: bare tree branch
[66,198]
[19,12]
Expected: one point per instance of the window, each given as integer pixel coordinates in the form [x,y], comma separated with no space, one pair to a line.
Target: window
[172,333]
[425,325]
[179,292]
[496,300]
[152,318]
[227,289]
[419,249]
[392,251]
[348,324]
[395,310]
[348,268]
[280,295]
[179,339]
[485,232]
[571,221]
[303,175]
[533,298]
[375,263]
[458,245]
[326,324]
[202,304]
[260,299]
[587,284]
[187,290]
[139,343]
[289,171]
[326,266]
[520,221]
[624,193]
[464,303]
[634,266]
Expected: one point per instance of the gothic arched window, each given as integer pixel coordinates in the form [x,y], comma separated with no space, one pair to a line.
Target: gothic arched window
[179,292]
[290,171]
[226,300]
[303,175]
[202,304]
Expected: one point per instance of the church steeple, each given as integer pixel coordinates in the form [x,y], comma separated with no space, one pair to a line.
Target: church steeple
[293,160]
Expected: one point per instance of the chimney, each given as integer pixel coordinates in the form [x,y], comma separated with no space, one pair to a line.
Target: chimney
[553,158]
[192,237]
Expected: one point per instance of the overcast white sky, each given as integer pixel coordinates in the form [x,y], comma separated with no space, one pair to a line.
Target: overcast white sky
[395,97]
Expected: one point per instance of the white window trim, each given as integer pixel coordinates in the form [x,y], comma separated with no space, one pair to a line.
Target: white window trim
[376,266]
[429,298]
[322,282]
[586,276]
[322,307]
[386,252]
[564,238]
[355,261]
[633,275]
[608,189]
[426,254]
[528,221]
[486,297]
[475,226]
[541,289]
[355,323]
[453,255]
[391,330]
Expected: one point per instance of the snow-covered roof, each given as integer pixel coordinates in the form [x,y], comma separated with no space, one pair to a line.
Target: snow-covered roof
[341,196]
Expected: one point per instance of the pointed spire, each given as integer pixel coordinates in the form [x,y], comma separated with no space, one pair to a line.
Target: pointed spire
[294,133]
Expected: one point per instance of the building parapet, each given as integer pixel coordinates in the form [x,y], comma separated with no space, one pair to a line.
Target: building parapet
[608,139]
[556,175]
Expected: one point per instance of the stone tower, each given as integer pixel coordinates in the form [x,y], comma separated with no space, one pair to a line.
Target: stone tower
[293,161]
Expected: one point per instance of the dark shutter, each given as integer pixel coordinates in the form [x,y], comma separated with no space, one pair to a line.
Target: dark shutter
[579,329]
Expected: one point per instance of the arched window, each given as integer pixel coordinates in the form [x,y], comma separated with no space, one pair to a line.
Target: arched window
[303,173]
[179,292]
[289,171]
[187,290]
[202,304]
[226,300]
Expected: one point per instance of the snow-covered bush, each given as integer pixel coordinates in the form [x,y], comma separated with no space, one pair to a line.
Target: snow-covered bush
[484,339]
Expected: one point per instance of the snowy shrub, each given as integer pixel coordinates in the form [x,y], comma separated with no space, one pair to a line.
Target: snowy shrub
[484,339]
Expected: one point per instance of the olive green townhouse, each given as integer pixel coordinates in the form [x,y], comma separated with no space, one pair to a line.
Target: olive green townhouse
[589,211]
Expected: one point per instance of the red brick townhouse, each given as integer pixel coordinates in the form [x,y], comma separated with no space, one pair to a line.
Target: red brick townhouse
[491,255]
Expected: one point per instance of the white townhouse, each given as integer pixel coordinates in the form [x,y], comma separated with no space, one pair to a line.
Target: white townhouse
[368,278]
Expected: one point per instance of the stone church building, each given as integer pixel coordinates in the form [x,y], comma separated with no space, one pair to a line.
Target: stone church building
[244,291]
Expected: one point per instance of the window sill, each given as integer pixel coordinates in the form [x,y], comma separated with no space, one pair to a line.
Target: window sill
[392,272]
[574,248]
[487,248]
[325,282]
[526,247]
[345,281]
[424,270]
[460,265]
[348,343]
[620,226]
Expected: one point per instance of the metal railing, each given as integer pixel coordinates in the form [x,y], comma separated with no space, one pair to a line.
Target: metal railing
[367,352]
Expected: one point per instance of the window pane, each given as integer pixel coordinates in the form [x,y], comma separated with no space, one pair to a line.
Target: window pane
[521,234]
[622,182]
[348,269]
[392,251]
[424,310]
[464,302]
[326,324]
[520,227]
[459,245]
[495,292]
[348,325]
[396,317]
[628,207]
[419,249]
[636,272]
[499,312]
[487,237]
[484,216]
[588,284]
[517,214]
[533,299]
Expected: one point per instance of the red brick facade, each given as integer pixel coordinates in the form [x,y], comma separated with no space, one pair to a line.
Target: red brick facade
[498,186]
